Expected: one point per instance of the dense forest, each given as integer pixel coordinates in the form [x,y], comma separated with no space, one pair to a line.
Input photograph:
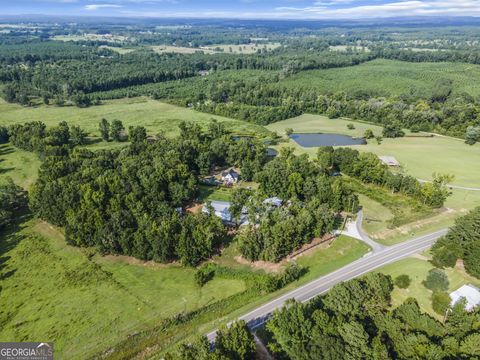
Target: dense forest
[355,320]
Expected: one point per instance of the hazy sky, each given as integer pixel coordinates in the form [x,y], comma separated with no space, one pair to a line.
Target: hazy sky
[289,9]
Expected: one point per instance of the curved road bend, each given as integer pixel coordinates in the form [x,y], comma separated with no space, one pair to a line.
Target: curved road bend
[388,255]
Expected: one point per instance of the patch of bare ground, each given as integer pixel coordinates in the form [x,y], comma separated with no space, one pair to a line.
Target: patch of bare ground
[267,266]
[194,208]
[420,257]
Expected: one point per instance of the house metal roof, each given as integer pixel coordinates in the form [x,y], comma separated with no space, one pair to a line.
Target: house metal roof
[470,293]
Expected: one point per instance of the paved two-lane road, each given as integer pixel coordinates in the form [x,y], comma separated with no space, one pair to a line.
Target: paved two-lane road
[321,285]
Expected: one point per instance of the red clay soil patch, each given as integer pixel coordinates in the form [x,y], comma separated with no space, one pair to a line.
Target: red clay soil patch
[263,265]
[194,208]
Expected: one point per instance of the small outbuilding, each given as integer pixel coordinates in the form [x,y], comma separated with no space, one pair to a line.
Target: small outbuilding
[470,293]
[389,160]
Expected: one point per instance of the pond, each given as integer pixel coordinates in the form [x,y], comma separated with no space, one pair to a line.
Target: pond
[316,140]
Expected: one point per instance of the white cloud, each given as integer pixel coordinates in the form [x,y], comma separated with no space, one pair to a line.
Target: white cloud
[93,7]
[323,10]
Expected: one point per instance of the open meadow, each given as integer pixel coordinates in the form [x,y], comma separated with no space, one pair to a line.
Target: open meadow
[419,156]
[154,115]
[87,304]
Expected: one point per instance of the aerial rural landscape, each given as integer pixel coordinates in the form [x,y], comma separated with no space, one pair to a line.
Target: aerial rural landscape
[255,180]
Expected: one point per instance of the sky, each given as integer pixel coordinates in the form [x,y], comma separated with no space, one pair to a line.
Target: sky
[246,9]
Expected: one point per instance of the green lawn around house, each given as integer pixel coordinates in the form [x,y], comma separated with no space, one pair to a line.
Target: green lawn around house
[417,269]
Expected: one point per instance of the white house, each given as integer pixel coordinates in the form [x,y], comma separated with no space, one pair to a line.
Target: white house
[470,293]
[230,176]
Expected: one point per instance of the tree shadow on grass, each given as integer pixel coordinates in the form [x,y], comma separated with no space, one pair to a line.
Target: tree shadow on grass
[6,170]
[6,149]
[9,239]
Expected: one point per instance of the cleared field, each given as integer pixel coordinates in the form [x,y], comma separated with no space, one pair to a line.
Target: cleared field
[418,156]
[417,268]
[344,48]
[85,37]
[119,50]
[242,49]
[390,77]
[59,293]
[155,116]
[163,49]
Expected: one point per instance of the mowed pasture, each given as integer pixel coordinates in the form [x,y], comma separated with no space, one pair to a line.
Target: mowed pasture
[154,115]
[390,77]
[418,155]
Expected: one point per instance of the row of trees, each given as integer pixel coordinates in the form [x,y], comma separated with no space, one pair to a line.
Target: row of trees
[355,321]
[368,168]
[461,242]
[34,136]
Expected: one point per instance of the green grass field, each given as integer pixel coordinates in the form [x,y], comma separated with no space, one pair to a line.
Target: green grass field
[54,292]
[390,77]
[22,166]
[154,115]
[376,216]
[86,303]
[418,156]
[417,268]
